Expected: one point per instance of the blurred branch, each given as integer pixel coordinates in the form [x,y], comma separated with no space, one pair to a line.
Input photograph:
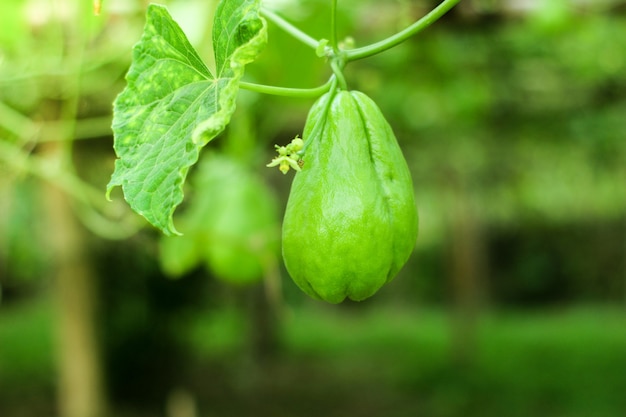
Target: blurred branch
[47,131]
[16,123]
[14,156]
[89,128]
[96,63]
[92,198]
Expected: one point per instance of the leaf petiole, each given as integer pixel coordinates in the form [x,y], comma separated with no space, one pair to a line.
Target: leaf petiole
[288,92]
[390,42]
[289,28]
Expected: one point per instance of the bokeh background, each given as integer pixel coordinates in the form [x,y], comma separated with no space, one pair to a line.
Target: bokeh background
[512,117]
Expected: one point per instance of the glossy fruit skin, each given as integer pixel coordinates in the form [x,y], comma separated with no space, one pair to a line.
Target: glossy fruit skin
[351,221]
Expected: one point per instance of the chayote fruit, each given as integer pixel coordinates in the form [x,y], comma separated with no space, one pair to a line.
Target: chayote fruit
[351,221]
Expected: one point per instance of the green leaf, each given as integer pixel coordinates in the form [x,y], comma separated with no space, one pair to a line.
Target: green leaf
[173,105]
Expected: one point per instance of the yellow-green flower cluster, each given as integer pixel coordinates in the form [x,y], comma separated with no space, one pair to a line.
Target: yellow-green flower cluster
[288,156]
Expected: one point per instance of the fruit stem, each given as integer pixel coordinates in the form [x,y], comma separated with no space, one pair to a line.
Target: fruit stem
[322,121]
[337,63]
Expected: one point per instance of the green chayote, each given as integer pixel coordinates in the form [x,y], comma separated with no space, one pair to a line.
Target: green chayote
[351,221]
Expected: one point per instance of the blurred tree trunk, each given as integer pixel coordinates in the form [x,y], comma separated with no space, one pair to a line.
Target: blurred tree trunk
[466,271]
[80,389]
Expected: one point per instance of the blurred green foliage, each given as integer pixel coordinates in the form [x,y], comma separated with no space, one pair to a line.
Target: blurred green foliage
[389,361]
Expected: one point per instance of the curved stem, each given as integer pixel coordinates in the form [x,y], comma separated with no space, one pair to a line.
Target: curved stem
[390,42]
[288,92]
[289,28]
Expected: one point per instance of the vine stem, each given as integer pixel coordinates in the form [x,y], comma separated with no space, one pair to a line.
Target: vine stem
[288,92]
[390,42]
[333,27]
[289,28]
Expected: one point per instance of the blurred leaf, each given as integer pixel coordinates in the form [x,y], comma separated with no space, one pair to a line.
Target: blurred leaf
[14,30]
[231,225]
[173,105]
